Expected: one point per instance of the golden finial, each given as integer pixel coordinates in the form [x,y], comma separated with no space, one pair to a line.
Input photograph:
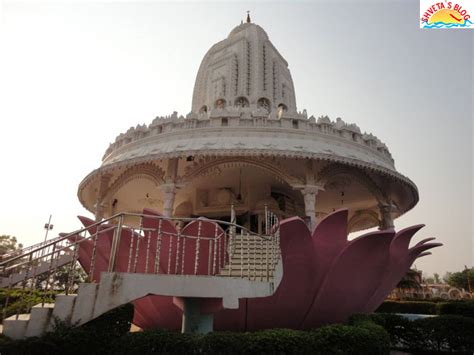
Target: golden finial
[248,16]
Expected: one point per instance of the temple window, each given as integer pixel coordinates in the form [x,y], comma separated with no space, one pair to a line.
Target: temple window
[220,103]
[241,102]
[264,104]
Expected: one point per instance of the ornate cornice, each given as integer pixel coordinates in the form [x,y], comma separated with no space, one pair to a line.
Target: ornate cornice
[240,123]
[145,170]
[368,167]
[206,167]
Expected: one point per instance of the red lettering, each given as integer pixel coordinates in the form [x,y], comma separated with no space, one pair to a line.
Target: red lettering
[450,4]
[454,17]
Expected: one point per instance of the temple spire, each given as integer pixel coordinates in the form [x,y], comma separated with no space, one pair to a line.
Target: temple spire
[248,16]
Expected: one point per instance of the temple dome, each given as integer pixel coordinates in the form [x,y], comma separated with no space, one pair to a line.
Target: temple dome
[244,71]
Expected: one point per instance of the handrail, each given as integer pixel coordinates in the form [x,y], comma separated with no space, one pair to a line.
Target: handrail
[25,250]
[217,251]
[129,214]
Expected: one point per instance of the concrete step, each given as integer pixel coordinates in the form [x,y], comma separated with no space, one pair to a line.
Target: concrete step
[63,309]
[15,327]
[255,259]
[245,274]
[39,319]
[252,266]
[259,250]
[84,303]
[253,244]
[237,252]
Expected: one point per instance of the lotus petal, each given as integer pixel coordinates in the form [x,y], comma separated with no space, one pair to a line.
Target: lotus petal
[359,268]
[326,278]
[395,267]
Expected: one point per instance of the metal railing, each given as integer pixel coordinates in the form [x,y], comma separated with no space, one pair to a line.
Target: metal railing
[25,250]
[156,245]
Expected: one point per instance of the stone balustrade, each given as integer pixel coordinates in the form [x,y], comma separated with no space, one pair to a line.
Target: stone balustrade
[242,117]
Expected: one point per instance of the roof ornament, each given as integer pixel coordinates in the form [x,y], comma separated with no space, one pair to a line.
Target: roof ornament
[248,16]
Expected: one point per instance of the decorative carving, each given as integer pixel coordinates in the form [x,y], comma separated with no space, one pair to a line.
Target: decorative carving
[264,104]
[386,215]
[145,171]
[169,124]
[329,173]
[338,183]
[362,219]
[241,102]
[213,167]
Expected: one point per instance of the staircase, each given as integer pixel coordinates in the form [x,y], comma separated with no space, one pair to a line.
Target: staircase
[41,268]
[251,258]
[250,267]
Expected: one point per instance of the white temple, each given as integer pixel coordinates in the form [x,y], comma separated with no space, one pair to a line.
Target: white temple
[245,143]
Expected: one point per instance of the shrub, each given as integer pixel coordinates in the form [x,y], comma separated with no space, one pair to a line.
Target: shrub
[19,300]
[96,336]
[461,308]
[426,335]
[415,307]
[364,338]
[399,328]
[116,322]
[271,341]
[224,342]
[452,333]
[278,341]
[155,342]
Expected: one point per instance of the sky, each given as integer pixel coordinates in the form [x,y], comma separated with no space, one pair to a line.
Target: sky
[75,74]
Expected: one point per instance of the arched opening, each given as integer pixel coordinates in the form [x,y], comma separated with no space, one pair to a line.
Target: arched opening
[220,103]
[282,108]
[249,187]
[264,104]
[241,102]
[203,109]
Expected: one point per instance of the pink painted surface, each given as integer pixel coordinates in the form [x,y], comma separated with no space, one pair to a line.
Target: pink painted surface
[326,278]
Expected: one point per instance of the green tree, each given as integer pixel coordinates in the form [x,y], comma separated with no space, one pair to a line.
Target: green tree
[462,279]
[410,281]
[8,244]
[429,280]
[437,280]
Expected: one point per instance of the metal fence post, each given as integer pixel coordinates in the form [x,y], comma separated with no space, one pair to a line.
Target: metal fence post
[115,245]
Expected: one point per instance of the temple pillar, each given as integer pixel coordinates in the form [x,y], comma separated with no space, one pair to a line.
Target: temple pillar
[309,193]
[100,205]
[193,321]
[169,187]
[386,216]
[169,193]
